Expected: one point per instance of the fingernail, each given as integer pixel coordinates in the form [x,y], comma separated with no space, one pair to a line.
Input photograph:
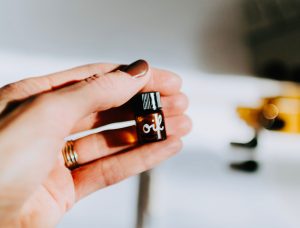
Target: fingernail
[137,69]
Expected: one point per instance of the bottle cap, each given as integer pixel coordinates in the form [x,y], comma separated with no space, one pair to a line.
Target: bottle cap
[149,101]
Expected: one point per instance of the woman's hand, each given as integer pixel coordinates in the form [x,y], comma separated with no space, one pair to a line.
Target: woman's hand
[36,189]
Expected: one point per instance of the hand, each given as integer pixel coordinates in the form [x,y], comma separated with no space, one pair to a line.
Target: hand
[36,189]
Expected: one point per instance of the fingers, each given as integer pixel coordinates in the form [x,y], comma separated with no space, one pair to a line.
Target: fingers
[172,105]
[106,143]
[112,169]
[14,95]
[70,104]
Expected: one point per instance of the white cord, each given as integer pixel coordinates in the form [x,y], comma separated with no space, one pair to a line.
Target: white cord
[111,126]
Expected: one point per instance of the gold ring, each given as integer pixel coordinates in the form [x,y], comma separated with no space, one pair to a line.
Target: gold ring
[70,156]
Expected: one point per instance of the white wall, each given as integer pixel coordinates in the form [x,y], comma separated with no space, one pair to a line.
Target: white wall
[200,34]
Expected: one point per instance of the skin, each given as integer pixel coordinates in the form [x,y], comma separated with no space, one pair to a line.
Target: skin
[36,189]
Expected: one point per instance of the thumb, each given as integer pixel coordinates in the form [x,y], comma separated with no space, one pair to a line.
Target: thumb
[96,93]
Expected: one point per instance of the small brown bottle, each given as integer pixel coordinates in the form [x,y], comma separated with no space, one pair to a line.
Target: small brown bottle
[149,117]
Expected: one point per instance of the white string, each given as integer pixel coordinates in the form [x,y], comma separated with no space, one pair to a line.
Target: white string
[111,126]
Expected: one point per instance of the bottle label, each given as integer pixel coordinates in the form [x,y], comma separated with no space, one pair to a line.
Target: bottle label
[151,127]
[156,126]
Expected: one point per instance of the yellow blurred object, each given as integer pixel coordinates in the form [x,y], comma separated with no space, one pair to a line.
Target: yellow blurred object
[281,113]
[250,116]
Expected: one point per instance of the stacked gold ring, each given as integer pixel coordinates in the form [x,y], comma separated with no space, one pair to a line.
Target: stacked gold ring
[70,155]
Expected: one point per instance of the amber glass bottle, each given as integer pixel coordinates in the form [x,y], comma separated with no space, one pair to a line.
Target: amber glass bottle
[149,117]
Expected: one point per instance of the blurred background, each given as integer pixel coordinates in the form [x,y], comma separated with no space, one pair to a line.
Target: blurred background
[231,54]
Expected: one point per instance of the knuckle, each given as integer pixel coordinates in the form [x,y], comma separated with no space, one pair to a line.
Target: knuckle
[106,83]
[101,83]
[96,68]
[89,68]
[181,102]
[186,125]
[177,79]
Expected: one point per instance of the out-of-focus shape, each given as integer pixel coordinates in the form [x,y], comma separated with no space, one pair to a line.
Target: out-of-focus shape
[249,166]
[273,37]
[280,113]
[250,144]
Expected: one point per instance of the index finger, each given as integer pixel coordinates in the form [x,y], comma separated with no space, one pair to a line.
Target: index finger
[23,89]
